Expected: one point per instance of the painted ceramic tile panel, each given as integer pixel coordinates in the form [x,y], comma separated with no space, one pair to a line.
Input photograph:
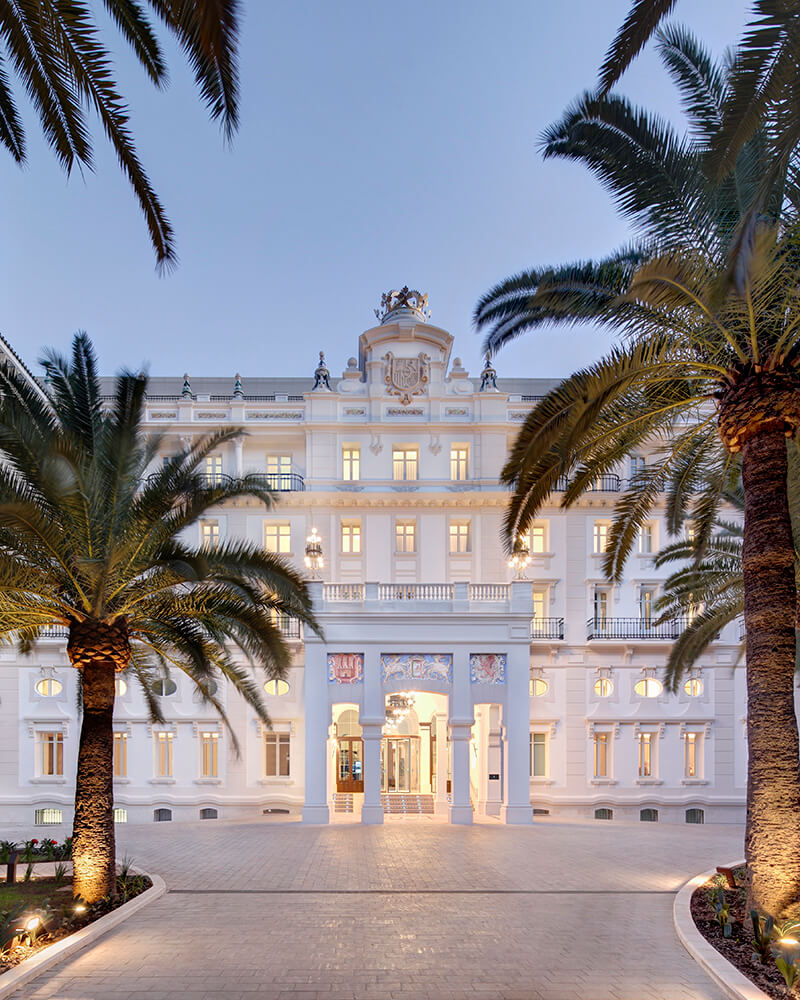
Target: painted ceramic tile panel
[345,668]
[417,666]
[487,668]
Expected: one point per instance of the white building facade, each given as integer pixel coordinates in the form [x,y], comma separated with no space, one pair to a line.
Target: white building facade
[443,683]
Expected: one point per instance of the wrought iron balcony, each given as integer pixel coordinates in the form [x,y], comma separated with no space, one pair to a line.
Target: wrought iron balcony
[547,628]
[634,628]
[281,482]
[290,627]
[605,484]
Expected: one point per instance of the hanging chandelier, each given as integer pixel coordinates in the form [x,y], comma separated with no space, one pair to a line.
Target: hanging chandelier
[397,708]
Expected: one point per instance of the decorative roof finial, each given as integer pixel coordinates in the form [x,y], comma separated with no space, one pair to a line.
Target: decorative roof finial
[186,391]
[238,392]
[321,374]
[488,376]
[405,298]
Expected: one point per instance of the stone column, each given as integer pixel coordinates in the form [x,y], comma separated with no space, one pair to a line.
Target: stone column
[440,805]
[516,726]
[460,806]
[238,459]
[317,721]
[372,810]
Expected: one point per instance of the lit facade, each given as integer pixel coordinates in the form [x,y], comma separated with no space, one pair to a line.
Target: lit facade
[447,682]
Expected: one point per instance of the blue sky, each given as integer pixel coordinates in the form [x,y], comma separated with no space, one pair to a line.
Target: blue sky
[380,145]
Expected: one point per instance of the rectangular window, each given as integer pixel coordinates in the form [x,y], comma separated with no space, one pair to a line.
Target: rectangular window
[278,537]
[209,534]
[601,755]
[645,539]
[460,537]
[120,755]
[647,600]
[600,607]
[600,537]
[645,755]
[163,755]
[279,470]
[539,755]
[539,603]
[351,464]
[538,539]
[51,754]
[351,537]
[637,465]
[276,755]
[404,463]
[48,817]
[405,536]
[691,755]
[459,462]
[209,755]
[213,470]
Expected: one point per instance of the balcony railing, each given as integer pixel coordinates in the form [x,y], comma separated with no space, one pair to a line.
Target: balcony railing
[547,628]
[496,592]
[605,484]
[343,591]
[415,591]
[279,482]
[290,627]
[634,628]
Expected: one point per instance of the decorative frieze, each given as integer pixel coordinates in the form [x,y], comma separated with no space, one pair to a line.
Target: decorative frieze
[487,668]
[417,666]
[345,668]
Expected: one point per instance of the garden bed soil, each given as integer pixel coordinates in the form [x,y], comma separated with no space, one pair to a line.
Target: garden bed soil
[58,896]
[738,948]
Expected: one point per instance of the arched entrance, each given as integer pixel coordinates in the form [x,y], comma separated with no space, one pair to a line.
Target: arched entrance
[349,753]
[401,751]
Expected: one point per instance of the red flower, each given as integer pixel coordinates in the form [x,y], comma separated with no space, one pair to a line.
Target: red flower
[34,841]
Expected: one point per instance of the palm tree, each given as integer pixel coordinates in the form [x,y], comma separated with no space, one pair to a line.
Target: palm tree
[57,53]
[90,541]
[709,347]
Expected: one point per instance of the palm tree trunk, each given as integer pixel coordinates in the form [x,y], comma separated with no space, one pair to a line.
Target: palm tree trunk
[93,848]
[772,837]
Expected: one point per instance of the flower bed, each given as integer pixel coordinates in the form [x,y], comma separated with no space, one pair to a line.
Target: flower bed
[711,912]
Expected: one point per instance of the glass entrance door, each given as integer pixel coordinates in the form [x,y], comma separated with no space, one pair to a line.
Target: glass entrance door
[400,764]
[350,765]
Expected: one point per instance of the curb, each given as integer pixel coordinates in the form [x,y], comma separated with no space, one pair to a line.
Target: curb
[732,982]
[32,967]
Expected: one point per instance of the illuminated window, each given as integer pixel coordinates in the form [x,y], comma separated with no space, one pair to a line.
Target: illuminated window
[48,817]
[120,755]
[602,752]
[163,742]
[538,687]
[278,537]
[351,537]
[645,539]
[279,471]
[209,755]
[459,462]
[120,815]
[539,603]
[647,600]
[50,754]
[693,687]
[351,464]
[537,539]
[213,470]
[49,687]
[692,743]
[277,688]
[538,743]
[164,687]
[648,687]
[600,536]
[603,687]
[600,602]
[405,536]
[646,755]
[405,462]
[120,686]
[276,755]
[209,534]
[460,537]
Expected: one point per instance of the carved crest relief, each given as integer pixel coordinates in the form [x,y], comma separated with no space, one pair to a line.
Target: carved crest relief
[406,377]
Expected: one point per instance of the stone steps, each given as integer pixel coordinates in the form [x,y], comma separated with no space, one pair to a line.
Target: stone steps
[405,802]
[343,802]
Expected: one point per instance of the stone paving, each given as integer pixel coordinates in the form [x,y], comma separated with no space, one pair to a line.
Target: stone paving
[413,909]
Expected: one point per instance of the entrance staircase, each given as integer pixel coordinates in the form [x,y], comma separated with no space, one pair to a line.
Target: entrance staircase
[405,802]
[343,802]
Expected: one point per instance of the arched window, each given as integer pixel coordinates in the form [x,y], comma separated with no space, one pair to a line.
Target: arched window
[648,687]
[695,816]
[603,687]
[120,815]
[208,814]
[49,687]
[120,686]
[693,687]
[648,815]
[347,724]
[604,814]
[539,687]
[164,687]
[277,688]
[162,815]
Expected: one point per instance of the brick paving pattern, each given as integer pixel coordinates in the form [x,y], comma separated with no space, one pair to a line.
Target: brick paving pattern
[413,909]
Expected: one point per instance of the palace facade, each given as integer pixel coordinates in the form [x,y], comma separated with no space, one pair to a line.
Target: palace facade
[447,681]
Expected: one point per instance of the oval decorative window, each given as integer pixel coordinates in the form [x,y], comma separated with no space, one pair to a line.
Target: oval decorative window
[49,687]
[120,686]
[603,687]
[648,687]
[277,688]
[538,687]
[693,687]
[164,687]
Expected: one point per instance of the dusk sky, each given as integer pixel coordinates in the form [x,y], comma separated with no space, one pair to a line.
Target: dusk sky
[380,145]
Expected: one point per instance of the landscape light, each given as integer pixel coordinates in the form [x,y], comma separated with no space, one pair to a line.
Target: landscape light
[32,924]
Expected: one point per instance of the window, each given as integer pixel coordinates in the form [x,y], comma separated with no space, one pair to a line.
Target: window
[693,687]
[51,754]
[602,751]
[646,753]
[276,755]
[278,537]
[459,462]
[208,814]
[405,536]
[538,538]
[604,814]
[638,465]
[600,602]
[162,815]
[120,755]
[648,815]
[648,687]
[209,755]
[695,816]
[539,603]
[277,688]
[164,687]
[163,755]
[279,471]
[213,470]
[600,536]
[120,686]
[351,537]
[351,464]
[538,755]
[691,754]
[404,463]
[209,534]
[645,539]
[49,687]
[460,537]
[48,817]
[538,687]
[647,600]
[603,687]
[120,815]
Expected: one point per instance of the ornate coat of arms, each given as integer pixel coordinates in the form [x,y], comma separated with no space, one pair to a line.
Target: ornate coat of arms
[406,377]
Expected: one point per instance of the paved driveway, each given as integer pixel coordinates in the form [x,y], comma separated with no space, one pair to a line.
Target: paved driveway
[413,909]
